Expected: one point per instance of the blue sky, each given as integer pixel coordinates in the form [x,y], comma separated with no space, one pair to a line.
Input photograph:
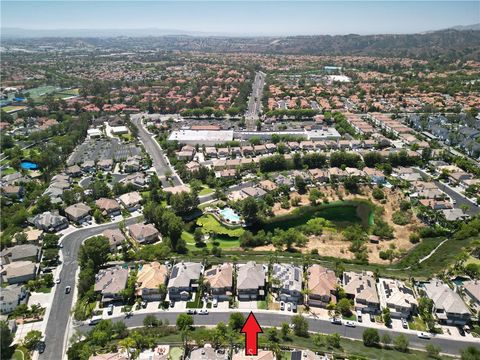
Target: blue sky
[244,17]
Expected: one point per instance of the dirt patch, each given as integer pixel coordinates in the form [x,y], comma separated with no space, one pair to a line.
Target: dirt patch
[332,244]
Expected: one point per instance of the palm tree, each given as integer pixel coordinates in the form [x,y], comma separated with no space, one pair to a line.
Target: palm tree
[129,346]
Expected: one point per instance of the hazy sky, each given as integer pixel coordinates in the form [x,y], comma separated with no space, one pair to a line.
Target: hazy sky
[244,17]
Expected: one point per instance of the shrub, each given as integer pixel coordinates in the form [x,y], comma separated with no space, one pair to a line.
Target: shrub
[370,337]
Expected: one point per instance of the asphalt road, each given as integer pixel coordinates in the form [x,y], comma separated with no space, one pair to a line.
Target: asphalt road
[447,345]
[255,101]
[459,199]
[62,303]
[160,162]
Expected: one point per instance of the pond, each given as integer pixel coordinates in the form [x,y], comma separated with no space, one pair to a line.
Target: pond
[342,213]
[28,165]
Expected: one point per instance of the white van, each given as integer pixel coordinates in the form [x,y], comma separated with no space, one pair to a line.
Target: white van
[359,315]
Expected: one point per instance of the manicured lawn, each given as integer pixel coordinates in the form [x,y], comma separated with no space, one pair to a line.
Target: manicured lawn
[12,108]
[417,324]
[225,242]
[205,191]
[175,353]
[211,225]
[262,305]
[8,171]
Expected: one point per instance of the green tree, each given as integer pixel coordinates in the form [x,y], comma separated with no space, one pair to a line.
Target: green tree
[386,339]
[150,321]
[344,306]
[236,320]
[370,337]
[433,351]
[184,322]
[285,331]
[6,339]
[401,343]
[249,210]
[387,317]
[31,340]
[470,353]
[300,326]
[94,250]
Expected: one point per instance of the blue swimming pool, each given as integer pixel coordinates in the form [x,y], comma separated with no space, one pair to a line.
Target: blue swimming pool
[28,165]
[230,215]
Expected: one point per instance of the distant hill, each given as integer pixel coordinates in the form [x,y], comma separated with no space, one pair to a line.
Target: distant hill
[446,45]
[475,27]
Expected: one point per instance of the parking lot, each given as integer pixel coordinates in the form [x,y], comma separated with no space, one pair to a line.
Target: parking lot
[103,149]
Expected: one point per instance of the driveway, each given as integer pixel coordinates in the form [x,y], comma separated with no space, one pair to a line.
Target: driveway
[247,305]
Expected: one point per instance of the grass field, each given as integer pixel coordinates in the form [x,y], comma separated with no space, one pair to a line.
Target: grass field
[8,109]
[211,225]
[175,353]
[225,242]
[205,191]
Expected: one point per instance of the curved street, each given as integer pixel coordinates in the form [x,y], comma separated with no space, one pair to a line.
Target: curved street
[62,304]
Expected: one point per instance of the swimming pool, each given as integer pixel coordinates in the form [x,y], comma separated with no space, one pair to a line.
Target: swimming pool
[28,165]
[230,215]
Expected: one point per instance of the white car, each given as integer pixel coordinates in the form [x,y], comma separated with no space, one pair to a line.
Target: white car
[424,335]
[57,281]
[289,307]
[282,305]
[350,324]
[203,312]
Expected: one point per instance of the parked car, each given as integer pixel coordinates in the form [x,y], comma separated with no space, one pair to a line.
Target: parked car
[172,304]
[282,305]
[404,323]
[461,331]
[372,318]
[41,347]
[95,320]
[294,307]
[350,323]
[57,281]
[359,315]
[191,311]
[203,312]
[215,302]
[110,309]
[336,321]
[424,335]
[67,289]
[144,304]
[289,307]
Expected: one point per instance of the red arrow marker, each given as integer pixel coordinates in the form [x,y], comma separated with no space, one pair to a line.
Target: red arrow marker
[251,329]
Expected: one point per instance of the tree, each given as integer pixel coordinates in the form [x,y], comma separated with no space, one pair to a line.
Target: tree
[184,322]
[378,194]
[300,326]
[370,337]
[433,351]
[272,335]
[150,321]
[129,346]
[6,339]
[236,321]
[470,353]
[285,331]
[386,339]
[401,343]
[343,306]
[31,340]
[198,237]
[95,250]
[387,318]
[249,210]
[333,341]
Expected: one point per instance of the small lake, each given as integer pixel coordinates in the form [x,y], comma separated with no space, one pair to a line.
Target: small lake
[28,165]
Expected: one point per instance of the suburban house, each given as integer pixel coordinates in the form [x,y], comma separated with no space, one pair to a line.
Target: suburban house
[108,207]
[34,236]
[305,355]
[322,286]
[220,279]
[471,290]
[149,279]
[105,165]
[131,200]
[74,171]
[361,288]
[115,238]
[287,282]
[49,222]
[184,280]
[207,352]
[251,281]
[144,233]
[397,297]
[12,296]
[448,306]
[110,283]
[24,252]
[18,272]
[78,212]
[262,355]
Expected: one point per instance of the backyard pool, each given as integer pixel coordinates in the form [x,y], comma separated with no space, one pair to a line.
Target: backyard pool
[230,215]
[28,165]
